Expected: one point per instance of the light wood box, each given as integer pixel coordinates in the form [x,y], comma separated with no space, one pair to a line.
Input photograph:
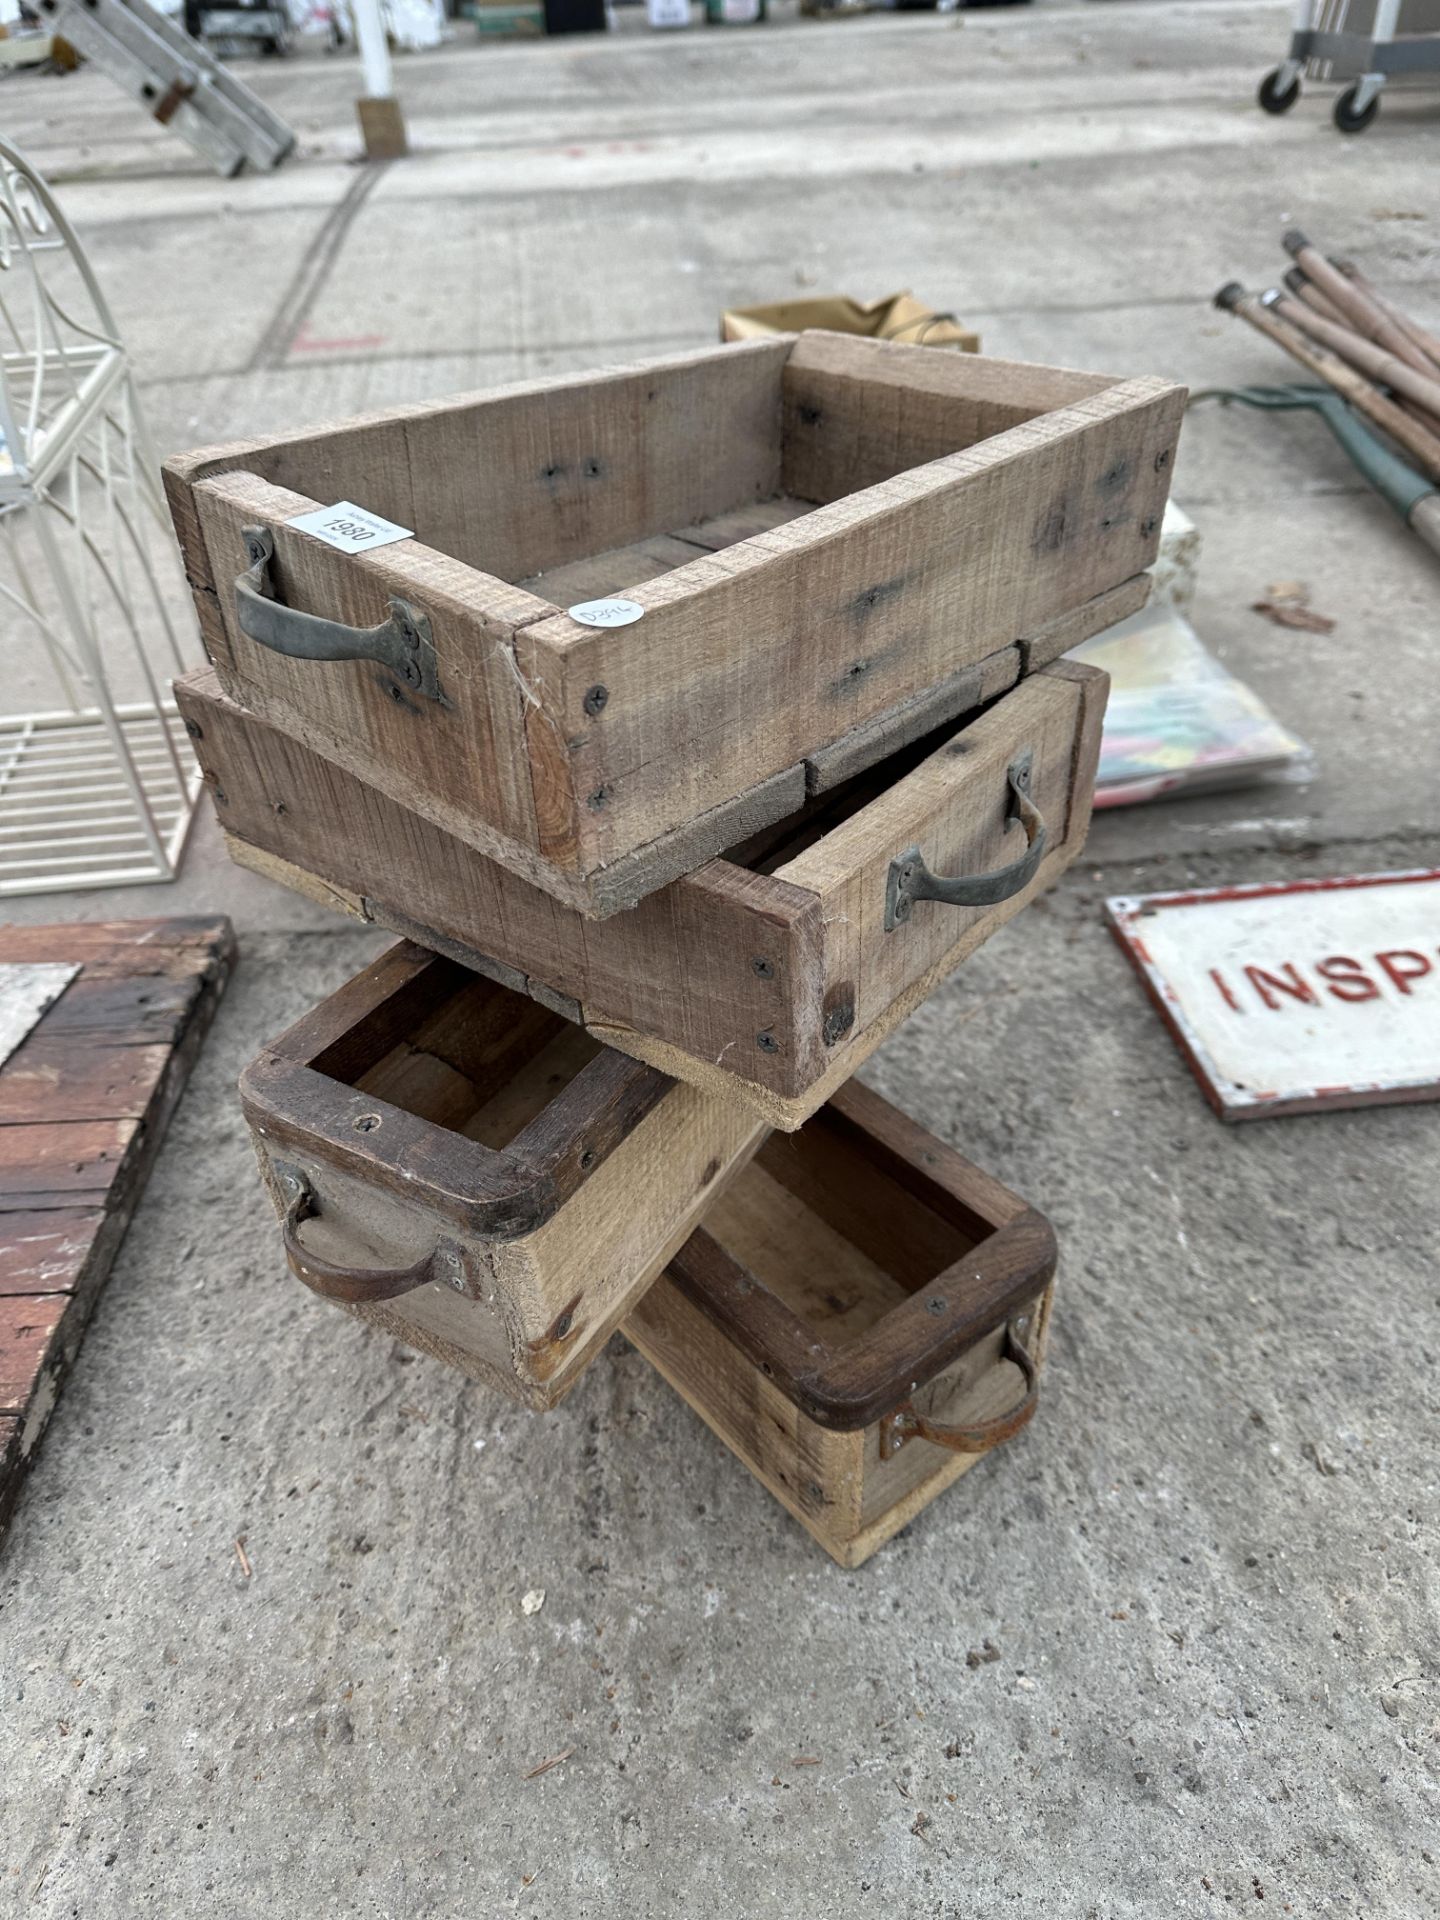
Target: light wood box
[820,530]
[765,978]
[463,1167]
[860,1318]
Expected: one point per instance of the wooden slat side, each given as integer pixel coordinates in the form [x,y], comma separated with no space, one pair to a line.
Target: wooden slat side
[523,482]
[817,1476]
[749,660]
[68,1163]
[859,411]
[464,753]
[710,963]
[589,1264]
[1068,629]
[971,687]
[955,807]
[48,1252]
[57,1079]
[115,949]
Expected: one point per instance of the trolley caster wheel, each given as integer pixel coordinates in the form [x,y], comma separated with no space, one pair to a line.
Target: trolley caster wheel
[1345,116]
[1275,99]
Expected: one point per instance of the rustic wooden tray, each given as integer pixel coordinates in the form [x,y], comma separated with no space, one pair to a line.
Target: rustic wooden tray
[861,1316]
[819,532]
[768,976]
[466,1168]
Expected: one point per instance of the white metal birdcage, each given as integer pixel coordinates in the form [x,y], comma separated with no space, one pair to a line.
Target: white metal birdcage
[97,783]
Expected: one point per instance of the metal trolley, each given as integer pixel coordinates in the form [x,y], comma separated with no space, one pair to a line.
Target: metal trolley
[1366,42]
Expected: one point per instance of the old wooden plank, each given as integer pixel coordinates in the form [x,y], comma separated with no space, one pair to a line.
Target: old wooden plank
[119,949]
[47,1252]
[29,1337]
[854,752]
[75,1159]
[67,1190]
[79,1077]
[138,1011]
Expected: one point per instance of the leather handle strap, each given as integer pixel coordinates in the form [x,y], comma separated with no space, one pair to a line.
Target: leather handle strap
[354,1286]
[973,1437]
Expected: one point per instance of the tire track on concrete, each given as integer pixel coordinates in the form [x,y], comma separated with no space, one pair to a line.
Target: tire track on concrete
[298,301]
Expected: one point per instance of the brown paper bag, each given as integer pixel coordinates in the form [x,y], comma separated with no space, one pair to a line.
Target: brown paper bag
[900,316]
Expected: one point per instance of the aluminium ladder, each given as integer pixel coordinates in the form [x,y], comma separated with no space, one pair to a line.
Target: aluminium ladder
[175,80]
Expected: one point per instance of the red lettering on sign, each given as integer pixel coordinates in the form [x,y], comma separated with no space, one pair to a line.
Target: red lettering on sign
[1297,988]
[1389,964]
[1225,994]
[1348,979]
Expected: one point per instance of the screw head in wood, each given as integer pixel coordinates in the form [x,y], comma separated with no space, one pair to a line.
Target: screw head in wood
[595,700]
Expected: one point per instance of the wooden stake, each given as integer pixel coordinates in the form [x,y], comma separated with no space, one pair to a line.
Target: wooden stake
[1427,342]
[1307,291]
[1422,445]
[1363,314]
[1364,354]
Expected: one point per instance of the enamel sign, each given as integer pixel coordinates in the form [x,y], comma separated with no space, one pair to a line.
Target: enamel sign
[1296,997]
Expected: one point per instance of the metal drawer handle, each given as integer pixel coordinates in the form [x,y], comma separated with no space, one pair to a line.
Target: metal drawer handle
[344,1283]
[402,644]
[910,879]
[906,1424]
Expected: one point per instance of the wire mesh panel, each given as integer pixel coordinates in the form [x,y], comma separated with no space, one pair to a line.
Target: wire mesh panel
[97,784]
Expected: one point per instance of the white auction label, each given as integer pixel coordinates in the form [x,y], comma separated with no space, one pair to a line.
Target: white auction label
[350,528]
[606,613]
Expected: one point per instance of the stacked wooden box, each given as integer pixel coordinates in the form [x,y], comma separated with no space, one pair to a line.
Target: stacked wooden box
[672,881]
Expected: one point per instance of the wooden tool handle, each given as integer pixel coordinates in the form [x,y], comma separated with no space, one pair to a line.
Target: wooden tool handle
[354,1287]
[977,1437]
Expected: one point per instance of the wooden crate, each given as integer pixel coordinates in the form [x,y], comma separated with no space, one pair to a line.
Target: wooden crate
[468,1170]
[768,976]
[861,1316]
[819,532]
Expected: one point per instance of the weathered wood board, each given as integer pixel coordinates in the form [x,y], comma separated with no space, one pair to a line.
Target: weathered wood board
[84,1103]
[817,533]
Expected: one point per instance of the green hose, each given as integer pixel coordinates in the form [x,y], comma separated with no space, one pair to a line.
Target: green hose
[1397,483]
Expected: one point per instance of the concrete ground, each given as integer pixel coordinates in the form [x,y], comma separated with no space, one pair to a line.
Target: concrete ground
[1208,1567]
